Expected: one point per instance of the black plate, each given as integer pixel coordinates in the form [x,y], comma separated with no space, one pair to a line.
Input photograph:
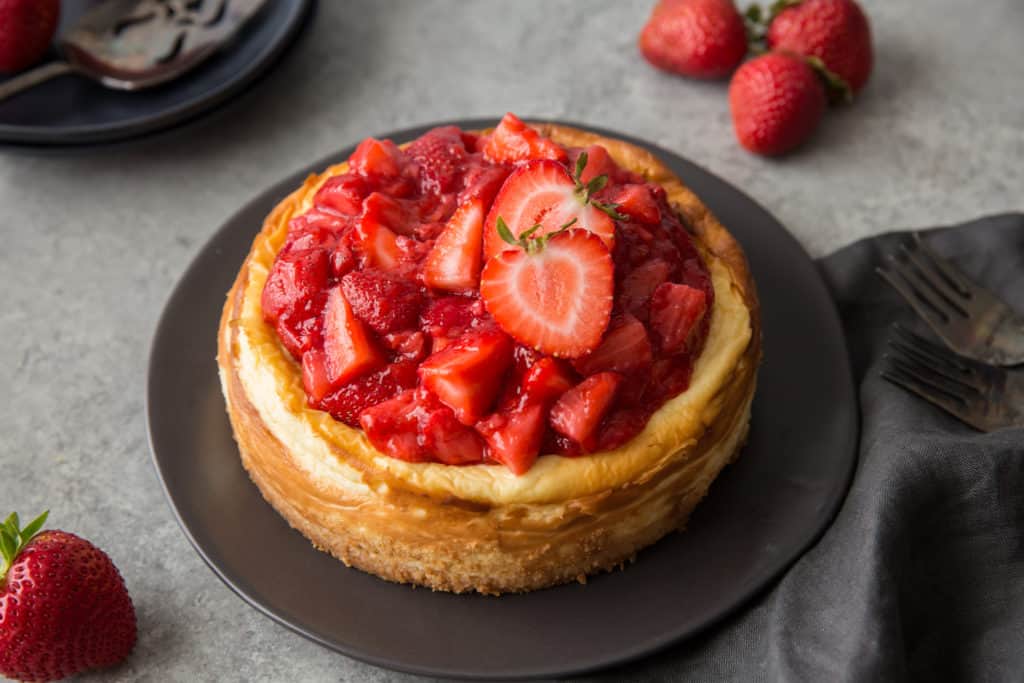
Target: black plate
[76,110]
[759,516]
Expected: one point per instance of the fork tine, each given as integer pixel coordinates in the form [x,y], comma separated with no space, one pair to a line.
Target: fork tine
[932,375]
[927,272]
[939,358]
[924,289]
[956,279]
[920,304]
[953,406]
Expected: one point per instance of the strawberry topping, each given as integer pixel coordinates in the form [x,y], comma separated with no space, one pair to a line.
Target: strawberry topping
[487,299]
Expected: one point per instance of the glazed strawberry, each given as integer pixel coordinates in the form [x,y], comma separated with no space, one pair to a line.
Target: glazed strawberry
[415,426]
[553,293]
[598,163]
[637,203]
[64,608]
[26,29]
[578,413]
[777,101]
[454,261]
[625,347]
[343,193]
[514,437]
[386,304]
[544,381]
[467,374]
[698,38]
[834,31]
[294,279]
[544,193]
[347,402]
[440,154]
[378,245]
[512,140]
[348,347]
[676,311]
[379,159]
[450,441]
[640,283]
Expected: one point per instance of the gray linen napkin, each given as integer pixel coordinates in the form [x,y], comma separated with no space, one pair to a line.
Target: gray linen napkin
[921,575]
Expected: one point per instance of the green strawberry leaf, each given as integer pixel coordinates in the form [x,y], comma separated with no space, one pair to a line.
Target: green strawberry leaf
[505,233]
[29,532]
[13,539]
[581,163]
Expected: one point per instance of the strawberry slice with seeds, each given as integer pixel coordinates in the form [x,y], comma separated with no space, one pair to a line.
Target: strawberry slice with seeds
[554,293]
[467,374]
[578,413]
[544,193]
[454,262]
[514,438]
[512,140]
[379,159]
[385,304]
[599,162]
[676,311]
[625,347]
[348,348]
[637,202]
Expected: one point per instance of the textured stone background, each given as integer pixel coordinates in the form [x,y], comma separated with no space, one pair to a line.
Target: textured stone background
[93,241]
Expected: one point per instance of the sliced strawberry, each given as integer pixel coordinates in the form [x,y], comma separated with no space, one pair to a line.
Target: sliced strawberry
[446,318]
[378,159]
[546,380]
[625,347]
[599,162]
[450,441]
[514,438]
[440,153]
[343,193]
[314,375]
[295,277]
[410,344]
[385,304]
[637,202]
[557,300]
[578,413]
[454,261]
[393,427]
[640,283]
[347,344]
[378,245]
[348,401]
[314,229]
[513,141]
[542,192]
[676,311]
[342,260]
[467,374]
[299,329]
[483,182]
[395,214]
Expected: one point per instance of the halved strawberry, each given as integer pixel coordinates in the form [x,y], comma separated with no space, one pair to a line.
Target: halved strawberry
[514,437]
[512,140]
[467,374]
[637,202]
[578,413]
[556,298]
[543,193]
[343,193]
[376,159]
[625,347]
[384,303]
[349,350]
[676,311]
[454,262]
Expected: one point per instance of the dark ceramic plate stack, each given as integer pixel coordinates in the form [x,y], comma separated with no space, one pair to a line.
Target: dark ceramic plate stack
[760,515]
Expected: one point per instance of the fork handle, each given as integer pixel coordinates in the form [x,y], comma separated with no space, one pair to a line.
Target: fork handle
[32,78]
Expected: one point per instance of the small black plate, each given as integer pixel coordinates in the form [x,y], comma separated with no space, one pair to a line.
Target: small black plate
[74,110]
[760,515]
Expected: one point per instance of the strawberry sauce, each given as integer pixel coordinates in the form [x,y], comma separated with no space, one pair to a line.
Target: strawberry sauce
[376,293]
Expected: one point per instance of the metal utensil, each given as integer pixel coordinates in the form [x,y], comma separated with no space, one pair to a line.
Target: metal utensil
[983,396]
[135,44]
[973,321]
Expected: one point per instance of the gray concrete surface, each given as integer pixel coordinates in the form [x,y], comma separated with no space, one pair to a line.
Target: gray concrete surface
[93,241]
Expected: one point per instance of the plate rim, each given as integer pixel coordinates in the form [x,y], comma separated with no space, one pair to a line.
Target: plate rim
[659,644]
[179,114]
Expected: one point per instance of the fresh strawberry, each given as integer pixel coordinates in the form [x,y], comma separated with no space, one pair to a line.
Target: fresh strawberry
[377,159]
[512,140]
[347,402]
[834,31]
[385,304]
[514,437]
[553,293]
[295,277]
[777,101]
[64,607]
[343,193]
[543,193]
[349,350]
[625,347]
[467,374]
[698,38]
[440,153]
[640,283]
[578,413]
[454,262]
[676,311]
[26,29]
[599,163]
[638,203]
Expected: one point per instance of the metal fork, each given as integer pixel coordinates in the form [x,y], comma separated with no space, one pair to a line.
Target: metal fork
[973,321]
[983,396]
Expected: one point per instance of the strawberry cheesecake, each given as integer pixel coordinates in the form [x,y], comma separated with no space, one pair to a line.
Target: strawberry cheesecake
[491,360]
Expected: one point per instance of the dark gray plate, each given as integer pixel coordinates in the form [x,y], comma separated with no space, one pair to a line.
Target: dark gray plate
[759,516]
[75,110]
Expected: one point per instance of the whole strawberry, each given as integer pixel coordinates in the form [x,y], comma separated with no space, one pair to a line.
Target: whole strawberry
[26,29]
[698,38]
[63,605]
[835,31]
[777,101]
